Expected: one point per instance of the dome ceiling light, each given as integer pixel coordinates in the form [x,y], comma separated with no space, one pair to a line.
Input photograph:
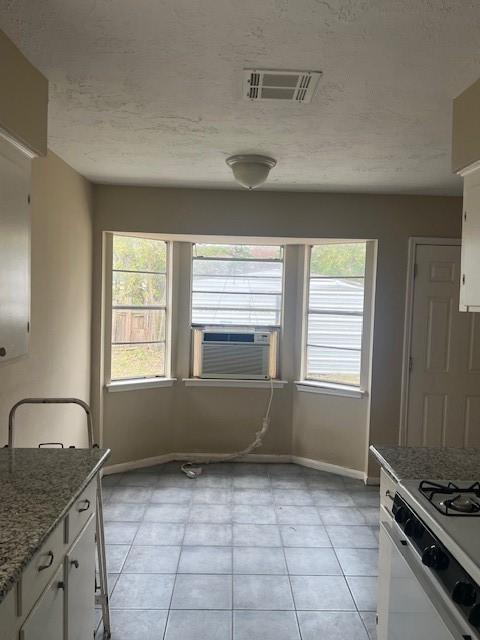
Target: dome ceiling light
[250,170]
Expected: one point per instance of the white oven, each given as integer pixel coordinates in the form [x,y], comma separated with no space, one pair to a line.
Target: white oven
[412,605]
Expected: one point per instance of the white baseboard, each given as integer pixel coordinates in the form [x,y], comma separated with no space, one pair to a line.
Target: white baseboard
[120,467]
[328,467]
[252,457]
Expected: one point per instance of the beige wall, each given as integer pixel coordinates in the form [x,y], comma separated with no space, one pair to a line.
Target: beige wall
[58,361]
[330,429]
[23,98]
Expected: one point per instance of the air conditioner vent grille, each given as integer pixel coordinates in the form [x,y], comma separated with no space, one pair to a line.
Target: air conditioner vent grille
[293,86]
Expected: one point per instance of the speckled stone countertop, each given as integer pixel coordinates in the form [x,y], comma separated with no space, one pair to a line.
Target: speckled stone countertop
[37,488]
[428,463]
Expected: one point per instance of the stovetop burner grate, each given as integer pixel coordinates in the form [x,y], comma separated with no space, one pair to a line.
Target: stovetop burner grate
[464,501]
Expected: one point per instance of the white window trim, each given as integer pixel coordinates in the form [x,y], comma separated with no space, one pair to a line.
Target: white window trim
[135,384]
[331,388]
[130,384]
[234,384]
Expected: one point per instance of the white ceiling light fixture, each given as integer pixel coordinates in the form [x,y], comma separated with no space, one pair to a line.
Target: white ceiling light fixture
[250,170]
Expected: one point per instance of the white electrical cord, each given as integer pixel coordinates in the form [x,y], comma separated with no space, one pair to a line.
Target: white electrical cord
[193,468]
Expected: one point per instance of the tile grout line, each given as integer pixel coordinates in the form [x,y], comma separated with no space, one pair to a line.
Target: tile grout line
[178,564]
[349,589]
[288,574]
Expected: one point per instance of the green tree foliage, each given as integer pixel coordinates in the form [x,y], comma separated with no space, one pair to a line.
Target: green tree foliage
[139,254]
[143,255]
[347,260]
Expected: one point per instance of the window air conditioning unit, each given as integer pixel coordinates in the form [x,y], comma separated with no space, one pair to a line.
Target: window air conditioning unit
[240,354]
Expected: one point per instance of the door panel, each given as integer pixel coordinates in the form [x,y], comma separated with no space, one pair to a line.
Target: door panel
[434,415]
[444,384]
[438,334]
[46,619]
[80,573]
[472,422]
[474,345]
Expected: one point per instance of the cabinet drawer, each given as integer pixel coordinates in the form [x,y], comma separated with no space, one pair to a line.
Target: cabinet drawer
[388,487]
[81,511]
[8,616]
[41,569]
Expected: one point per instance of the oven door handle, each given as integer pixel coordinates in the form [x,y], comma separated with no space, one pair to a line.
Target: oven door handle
[422,574]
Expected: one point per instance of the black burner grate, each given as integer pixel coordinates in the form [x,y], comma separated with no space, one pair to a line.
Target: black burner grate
[434,491]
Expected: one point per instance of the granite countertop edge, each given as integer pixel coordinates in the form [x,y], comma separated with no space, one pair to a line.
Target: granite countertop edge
[10,580]
[384,462]
[407,463]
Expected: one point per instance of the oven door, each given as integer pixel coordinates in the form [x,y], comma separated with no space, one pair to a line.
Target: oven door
[410,603]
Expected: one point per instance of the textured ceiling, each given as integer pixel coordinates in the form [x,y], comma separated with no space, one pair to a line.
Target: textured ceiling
[149,91]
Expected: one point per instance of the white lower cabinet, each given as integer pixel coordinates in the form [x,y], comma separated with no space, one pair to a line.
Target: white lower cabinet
[55,597]
[46,618]
[80,586]
[388,487]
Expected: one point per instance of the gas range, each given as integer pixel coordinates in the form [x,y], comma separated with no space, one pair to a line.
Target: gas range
[441,520]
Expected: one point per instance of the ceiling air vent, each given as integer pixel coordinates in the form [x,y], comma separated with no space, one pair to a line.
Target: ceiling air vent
[293,86]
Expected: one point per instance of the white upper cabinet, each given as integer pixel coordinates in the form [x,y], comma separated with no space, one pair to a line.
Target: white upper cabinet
[470,279]
[23,100]
[14,252]
[466,162]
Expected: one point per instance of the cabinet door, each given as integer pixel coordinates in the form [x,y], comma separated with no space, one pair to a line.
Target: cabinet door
[80,585]
[46,619]
[470,283]
[14,252]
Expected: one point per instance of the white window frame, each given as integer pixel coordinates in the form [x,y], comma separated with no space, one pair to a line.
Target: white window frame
[146,382]
[333,388]
[278,326]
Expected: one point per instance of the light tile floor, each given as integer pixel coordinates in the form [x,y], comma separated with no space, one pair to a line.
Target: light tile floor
[244,552]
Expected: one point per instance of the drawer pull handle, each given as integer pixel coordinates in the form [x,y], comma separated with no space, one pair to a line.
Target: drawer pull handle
[86,507]
[75,564]
[50,561]
[388,493]
[61,585]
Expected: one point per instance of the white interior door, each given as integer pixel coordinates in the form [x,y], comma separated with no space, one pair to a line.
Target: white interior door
[443,406]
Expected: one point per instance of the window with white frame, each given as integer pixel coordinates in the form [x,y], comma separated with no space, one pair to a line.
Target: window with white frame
[334,313]
[139,308]
[237,284]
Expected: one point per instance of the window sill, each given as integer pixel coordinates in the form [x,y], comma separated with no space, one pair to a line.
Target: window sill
[234,384]
[329,389]
[143,383]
